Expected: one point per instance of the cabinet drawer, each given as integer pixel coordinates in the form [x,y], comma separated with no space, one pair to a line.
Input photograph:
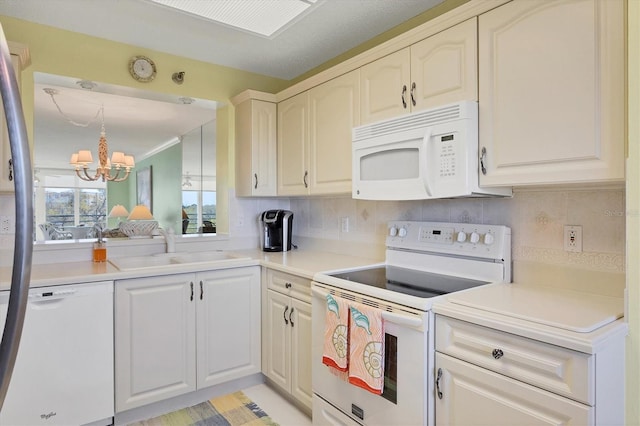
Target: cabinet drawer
[556,369]
[292,285]
[471,395]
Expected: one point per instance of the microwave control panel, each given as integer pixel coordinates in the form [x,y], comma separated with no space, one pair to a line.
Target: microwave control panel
[447,154]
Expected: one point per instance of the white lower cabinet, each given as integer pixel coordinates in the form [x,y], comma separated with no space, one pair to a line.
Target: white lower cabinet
[472,395]
[287,334]
[175,334]
[486,376]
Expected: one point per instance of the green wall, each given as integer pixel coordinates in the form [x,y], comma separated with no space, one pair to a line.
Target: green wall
[118,193]
[166,180]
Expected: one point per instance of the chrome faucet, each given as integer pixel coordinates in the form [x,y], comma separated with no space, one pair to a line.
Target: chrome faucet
[169,239]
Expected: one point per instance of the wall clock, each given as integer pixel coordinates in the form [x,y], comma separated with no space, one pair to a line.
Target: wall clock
[142,68]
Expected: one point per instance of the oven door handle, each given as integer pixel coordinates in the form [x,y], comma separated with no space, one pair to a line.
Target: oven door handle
[408,321]
[415,322]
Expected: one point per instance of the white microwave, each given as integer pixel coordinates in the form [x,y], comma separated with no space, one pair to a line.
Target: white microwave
[422,155]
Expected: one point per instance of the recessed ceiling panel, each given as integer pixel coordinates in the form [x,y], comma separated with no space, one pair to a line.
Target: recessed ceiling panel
[256,16]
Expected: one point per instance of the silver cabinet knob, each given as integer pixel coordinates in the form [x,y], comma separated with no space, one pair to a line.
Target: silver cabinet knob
[497,353]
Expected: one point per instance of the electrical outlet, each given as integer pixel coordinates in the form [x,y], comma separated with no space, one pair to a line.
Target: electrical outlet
[573,238]
[344,224]
[5,225]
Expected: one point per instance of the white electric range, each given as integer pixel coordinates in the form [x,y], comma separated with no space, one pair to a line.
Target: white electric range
[424,261]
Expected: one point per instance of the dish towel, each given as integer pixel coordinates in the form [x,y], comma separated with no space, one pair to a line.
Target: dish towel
[366,348]
[336,334]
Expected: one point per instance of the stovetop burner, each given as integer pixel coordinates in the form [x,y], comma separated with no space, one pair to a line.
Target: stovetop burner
[426,260]
[408,281]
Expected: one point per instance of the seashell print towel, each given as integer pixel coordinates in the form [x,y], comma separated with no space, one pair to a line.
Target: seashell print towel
[336,334]
[366,348]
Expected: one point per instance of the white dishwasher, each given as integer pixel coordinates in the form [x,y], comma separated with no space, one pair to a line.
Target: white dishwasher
[64,370]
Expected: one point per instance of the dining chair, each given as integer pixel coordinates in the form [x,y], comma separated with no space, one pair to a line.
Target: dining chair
[52,233]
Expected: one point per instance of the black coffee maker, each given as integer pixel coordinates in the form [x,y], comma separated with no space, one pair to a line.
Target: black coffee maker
[275,230]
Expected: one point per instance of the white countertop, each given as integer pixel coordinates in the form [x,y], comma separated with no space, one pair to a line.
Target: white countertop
[568,318]
[300,262]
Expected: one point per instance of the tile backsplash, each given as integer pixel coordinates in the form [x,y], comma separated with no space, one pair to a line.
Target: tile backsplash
[536,217]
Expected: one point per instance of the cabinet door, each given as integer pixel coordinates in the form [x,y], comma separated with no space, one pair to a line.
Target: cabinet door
[6,164]
[301,352]
[293,136]
[256,148]
[444,67]
[278,340]
[155,340]
[334,109]
[228,324]
[384,87]
[551,86]
[473,395]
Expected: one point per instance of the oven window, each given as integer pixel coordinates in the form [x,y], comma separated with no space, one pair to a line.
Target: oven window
[390,165]
[390,390]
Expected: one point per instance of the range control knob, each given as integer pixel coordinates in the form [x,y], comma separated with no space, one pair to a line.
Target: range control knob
[475,237]
[489,239]
[462,237]
[393,231]
[402,232]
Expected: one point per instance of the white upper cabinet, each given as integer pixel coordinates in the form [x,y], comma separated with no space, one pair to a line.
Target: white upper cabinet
[551,86]
[314,138]
[293,144]
[436,71]
[384,87]
[334,109]
[444,67]
[19,59]
[256,148]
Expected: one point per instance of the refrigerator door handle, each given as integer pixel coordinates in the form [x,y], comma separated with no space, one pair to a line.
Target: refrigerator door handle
[23,245]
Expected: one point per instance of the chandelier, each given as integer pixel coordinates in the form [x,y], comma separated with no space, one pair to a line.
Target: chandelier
[187,181]
[119,161]
[120,164]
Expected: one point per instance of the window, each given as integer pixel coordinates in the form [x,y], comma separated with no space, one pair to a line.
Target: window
[75,206]
[199,208]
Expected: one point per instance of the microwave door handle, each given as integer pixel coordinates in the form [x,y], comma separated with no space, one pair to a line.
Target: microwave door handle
[424,170]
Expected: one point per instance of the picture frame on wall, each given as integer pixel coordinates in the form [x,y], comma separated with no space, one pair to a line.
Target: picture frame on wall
[144,189]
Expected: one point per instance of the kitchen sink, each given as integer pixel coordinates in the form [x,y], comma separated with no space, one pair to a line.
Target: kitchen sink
[142,262]
[169,259]
[207,256]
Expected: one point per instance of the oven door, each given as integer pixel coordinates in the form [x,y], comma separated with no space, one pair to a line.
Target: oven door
[404,400]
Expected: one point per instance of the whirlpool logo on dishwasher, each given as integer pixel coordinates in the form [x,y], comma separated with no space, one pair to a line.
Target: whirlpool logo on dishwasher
[47,416]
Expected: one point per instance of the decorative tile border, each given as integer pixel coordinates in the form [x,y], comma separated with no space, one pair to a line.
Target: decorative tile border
[609,262]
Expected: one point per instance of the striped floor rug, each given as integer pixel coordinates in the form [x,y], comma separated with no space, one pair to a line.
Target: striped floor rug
[230,410]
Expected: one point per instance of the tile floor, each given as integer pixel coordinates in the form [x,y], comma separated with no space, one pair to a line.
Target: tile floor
[278,408]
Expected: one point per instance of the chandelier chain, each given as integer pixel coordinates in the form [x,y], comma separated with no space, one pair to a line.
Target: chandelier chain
[52,92]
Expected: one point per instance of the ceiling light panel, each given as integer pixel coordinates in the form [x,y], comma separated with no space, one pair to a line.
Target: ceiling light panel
[264,17]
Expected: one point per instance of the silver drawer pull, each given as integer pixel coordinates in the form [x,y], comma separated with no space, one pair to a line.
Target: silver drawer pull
[497,353]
